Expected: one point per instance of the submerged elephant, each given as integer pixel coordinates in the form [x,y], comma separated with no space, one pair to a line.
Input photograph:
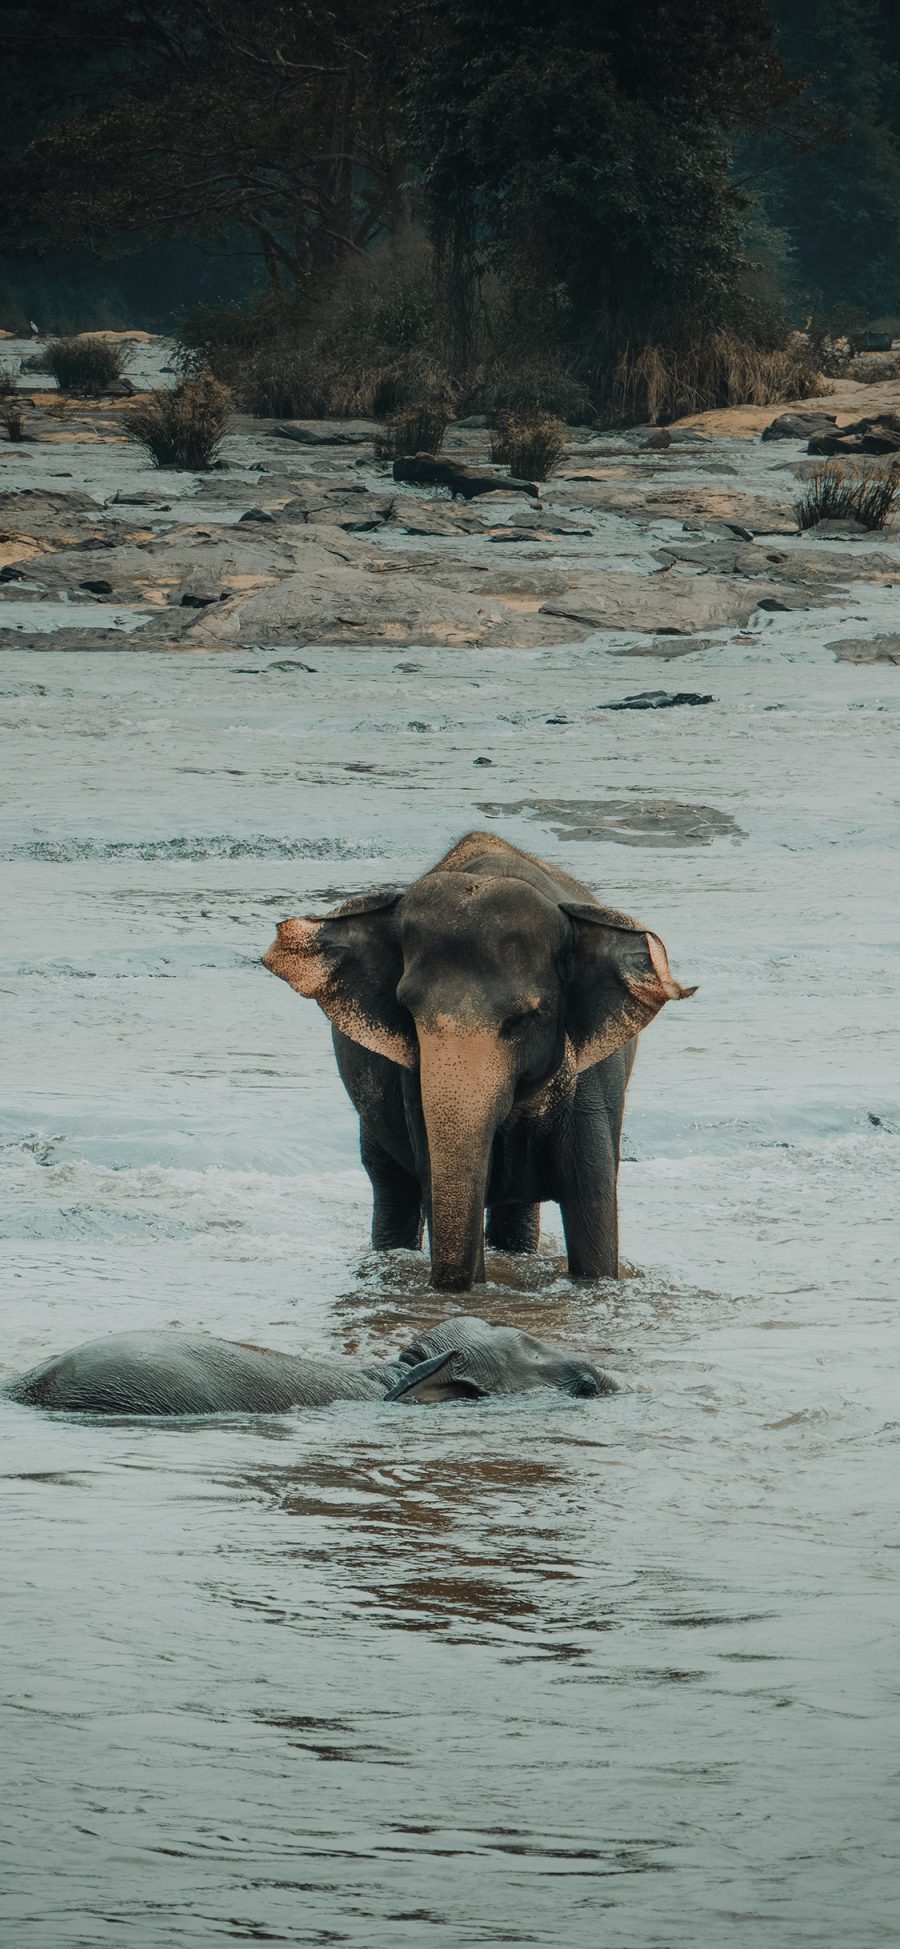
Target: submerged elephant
[464,1358]
[169,1373]
[485,1025]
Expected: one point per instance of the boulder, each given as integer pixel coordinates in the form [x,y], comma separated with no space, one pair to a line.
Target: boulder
[879,435]
[799,426]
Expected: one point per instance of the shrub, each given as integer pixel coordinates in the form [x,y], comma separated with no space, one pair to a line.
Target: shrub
[838,492]
[419,430]
[12,419]
[279,381]
[85,367]
[400,381]
[534,391]
[530,448]
[182,427]
[8,376]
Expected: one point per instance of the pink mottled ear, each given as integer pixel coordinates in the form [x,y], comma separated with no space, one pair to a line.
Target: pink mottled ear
[350,963]
[620,978]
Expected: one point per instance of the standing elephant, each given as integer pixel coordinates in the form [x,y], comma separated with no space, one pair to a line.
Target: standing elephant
[485,1024]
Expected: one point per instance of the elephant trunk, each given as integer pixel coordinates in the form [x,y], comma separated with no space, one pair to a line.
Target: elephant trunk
[466,1092]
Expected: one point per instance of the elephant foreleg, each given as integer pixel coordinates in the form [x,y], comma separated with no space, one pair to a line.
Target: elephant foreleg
[396,1200]
[514,1227]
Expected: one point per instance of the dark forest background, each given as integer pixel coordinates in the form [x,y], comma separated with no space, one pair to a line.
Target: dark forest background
[452,188]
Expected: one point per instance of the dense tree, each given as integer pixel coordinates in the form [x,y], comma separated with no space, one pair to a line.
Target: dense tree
[600,161]
[838,199]
[202,117]
[591,158]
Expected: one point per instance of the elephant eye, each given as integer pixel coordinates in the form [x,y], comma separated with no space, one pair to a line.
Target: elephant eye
[518,1020]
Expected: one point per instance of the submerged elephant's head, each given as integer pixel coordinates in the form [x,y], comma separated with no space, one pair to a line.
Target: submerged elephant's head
[465,1359]
[496,993]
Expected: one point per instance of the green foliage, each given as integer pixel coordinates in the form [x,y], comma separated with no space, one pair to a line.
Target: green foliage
[530,448]
[183,427]
[865,493]
[84,367]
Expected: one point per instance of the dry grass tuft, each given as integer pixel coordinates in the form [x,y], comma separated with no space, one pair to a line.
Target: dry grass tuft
[84,367]
[656,384]
[420,429]
[529,447]
[863,492]
[282,381]
[12,419]
[182,427]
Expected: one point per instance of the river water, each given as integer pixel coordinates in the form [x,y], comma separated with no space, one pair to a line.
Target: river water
[534,1671]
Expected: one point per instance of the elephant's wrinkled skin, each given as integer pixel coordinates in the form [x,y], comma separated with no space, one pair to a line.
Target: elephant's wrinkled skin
[164,1373]
[464,1358]
[485,1024]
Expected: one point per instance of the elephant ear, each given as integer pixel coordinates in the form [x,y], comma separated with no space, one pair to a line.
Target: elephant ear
[350,962]
[444,1378]
[620,978]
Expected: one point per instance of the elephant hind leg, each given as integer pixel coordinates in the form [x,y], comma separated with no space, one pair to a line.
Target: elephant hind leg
[514,1227]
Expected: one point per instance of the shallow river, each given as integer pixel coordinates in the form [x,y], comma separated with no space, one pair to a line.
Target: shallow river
[539,1671]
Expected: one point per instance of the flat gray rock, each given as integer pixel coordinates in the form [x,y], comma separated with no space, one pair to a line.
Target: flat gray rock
[675,602]
[649,502]
[867,649]
[627,822]
[369,603]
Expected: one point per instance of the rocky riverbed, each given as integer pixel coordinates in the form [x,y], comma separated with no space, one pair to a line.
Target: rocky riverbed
[532,1671]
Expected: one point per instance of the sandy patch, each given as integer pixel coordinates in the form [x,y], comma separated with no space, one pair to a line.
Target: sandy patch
[848,399]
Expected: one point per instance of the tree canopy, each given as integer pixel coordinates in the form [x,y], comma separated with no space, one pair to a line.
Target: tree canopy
[593,161]
[204,118]
[602,158]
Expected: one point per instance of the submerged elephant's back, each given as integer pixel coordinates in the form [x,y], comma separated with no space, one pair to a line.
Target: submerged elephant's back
[176,1373]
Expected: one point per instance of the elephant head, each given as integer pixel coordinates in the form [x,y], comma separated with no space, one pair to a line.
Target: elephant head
[465,1359]
[497,993]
